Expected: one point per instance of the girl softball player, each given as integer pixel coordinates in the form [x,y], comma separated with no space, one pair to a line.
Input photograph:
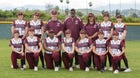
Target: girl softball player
[52,48]
[116,49]
[68,50]
[16,45]
[100,50]
[83,48]
[33,47]
[120,27]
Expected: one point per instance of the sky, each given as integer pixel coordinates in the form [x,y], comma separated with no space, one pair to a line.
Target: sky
[73,3]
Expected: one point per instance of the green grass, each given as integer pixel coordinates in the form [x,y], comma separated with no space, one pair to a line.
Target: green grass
[132,53]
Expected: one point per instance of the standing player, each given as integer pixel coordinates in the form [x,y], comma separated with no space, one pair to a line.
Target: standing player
[16,45]
[33,47]
[52,51]
[100,49]
[75,24]
[107,27]
[21,26]
[116,49]
[121,29]
[83,48]
[57,26]
[92,30]
[37,24]
[68,48]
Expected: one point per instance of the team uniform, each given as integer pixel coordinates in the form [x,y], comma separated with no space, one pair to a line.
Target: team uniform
[116,48]
[75,25]
[20,26]
[17,44]
[106,28]
[100,47]
[83,45]
[51,56]
[38,33]
[33,44]
[66,56]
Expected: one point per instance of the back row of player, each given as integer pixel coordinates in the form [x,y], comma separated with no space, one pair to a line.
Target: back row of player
[75,27]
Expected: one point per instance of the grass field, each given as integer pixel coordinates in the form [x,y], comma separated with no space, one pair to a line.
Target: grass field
[132,52]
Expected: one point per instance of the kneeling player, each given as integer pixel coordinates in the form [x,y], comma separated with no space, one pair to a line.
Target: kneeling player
[33,47]
[52,49]
[17,50]
[100,49]
[83,48]
[68,50]
[116,49]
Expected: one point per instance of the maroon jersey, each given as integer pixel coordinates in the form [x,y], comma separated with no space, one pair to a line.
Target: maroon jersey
[116,46]
[68,42]
[106,28]
[51,43]
[33,43]
[20,26]
[83,45]
[17,44]
[100,46]
[120,29]
[75,25]
[55,25]
[37,26]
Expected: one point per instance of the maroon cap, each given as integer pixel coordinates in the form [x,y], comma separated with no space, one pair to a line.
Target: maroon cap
[31,29]
[16,31]
[53,12]
[119,16]
[68,31]
[20,13]
[90,15]
[82,31]
[51,31]
[36,14]
[115,33]
[106,14]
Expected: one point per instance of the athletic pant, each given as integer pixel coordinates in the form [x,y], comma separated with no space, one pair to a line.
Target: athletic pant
[14,57]
[99,61]
[50,58]
[115,62]
[32,59]
[83,60]
[67,59]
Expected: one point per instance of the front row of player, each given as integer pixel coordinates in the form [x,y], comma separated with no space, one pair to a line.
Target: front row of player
[51,44]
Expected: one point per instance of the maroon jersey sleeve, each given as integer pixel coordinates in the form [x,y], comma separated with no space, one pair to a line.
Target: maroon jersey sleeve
[13,24]
[122,44]
[81,24]
[42,24]
[25,41]
[125,27]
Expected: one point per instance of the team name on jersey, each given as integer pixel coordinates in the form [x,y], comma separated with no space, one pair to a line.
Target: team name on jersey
[37,26]
[17,44]
[20,26]
[51,43]
[115,47]
[83,45]
[33,43]
[106,27]
[101,45]
[68,42]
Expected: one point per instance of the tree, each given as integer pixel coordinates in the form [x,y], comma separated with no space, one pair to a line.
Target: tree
[134,15]
[117,12]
